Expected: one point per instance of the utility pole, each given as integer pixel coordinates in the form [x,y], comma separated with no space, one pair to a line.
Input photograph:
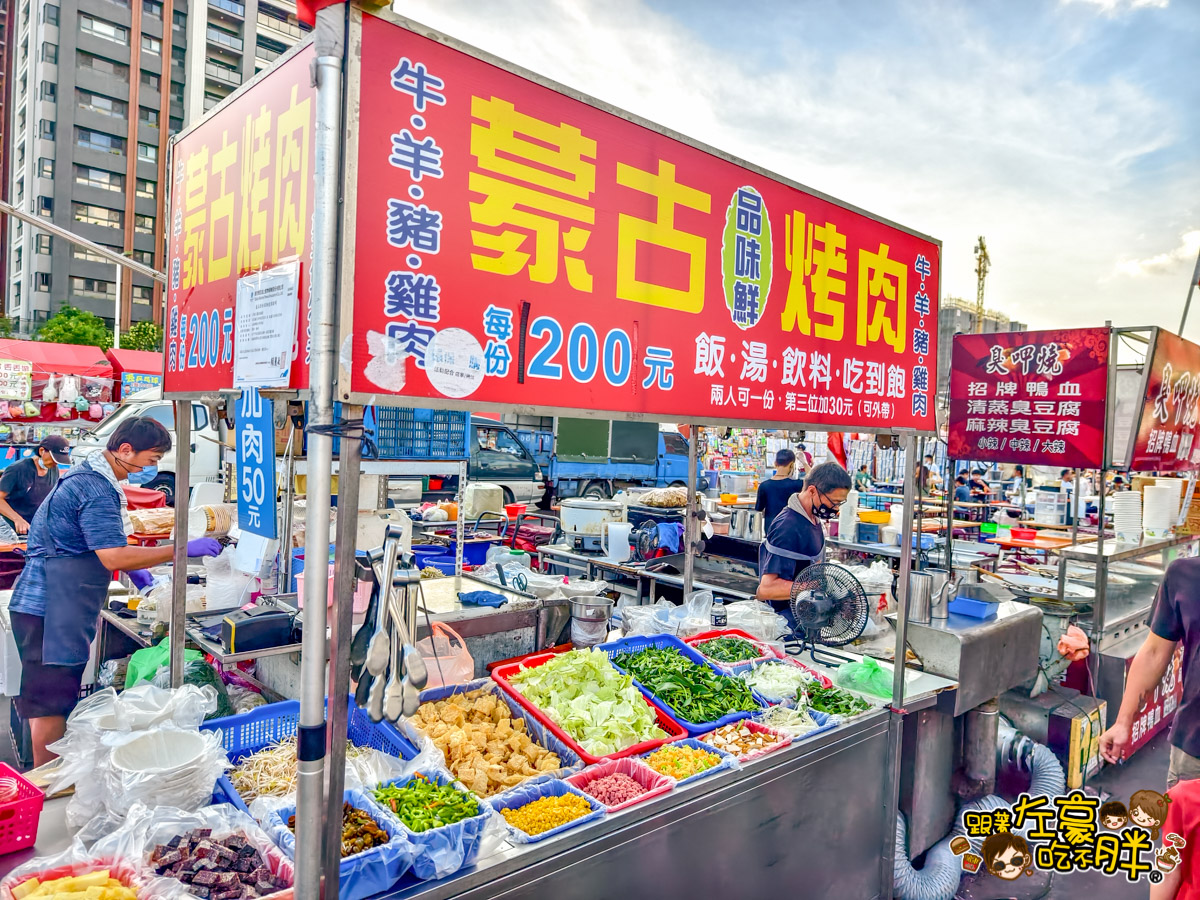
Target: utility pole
[983,262]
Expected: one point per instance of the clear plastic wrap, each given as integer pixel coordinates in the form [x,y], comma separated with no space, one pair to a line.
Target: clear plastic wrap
[526,793]
[145,828]
[164,765]
[756,618]
[439,852]
[363,874]
[78,860]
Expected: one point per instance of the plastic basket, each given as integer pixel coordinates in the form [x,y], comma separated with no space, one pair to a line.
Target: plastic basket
[362,593]
[669,642]
[123,870]
[405,433]
[727,761]
[250,732]
[521,795]
[824,681]
[19,817]
[765,651]
[656,785]
[502,674]
[444,850]
[781,740]
[536,730]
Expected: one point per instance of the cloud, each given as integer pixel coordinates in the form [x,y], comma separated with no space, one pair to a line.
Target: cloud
[1116,7]
[1162,263]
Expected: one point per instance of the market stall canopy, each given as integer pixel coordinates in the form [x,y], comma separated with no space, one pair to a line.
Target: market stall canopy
[58,359]
[136,370]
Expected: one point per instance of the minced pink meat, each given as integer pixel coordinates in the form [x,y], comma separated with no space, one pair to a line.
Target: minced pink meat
[612,790]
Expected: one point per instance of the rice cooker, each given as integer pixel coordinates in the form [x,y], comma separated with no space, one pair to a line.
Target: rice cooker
[583,520]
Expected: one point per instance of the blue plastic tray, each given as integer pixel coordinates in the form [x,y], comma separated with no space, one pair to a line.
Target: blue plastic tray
[670,642]
[976,609]
[527,793]
[727,759]
[250,732]
[364,874]
[444,850]
[825,722]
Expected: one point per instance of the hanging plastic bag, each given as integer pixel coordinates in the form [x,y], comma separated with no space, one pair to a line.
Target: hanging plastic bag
[63,410]
[5,413]
[69,392]
[867,677]
[446,657]
[224,587]
[145,663]
[95,411]
[50,391]
[198,673]
[32,410]
[81,404]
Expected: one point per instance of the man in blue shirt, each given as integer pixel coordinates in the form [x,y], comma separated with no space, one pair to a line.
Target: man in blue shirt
[795,539]
[76,540]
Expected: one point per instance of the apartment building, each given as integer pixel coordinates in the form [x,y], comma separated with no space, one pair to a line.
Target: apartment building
[97,89]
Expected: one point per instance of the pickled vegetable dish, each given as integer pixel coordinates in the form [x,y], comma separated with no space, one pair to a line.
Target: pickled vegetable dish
[694,691]
[359,831]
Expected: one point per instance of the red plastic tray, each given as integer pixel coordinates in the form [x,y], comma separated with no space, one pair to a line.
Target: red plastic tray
[782,740]
[501,674]
[559,648]
[19,817]
[768,652]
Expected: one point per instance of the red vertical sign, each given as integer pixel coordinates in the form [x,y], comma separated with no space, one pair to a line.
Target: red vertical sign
[1166,438]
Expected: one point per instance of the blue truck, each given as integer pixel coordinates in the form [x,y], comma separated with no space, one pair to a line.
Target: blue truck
[596,458]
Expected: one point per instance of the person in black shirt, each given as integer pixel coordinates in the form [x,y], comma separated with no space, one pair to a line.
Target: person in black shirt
[773,493]
[795,539]
[25,484]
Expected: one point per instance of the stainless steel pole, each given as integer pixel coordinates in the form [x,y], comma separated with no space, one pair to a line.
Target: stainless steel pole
[949,499]
[689,516]
[327,142]
[344,583]
[183,465]
[117,313]
[896,724]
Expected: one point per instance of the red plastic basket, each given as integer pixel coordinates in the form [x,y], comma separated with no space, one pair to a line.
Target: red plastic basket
[19,818]
[767,652]
[781,740]
[656,785]
[502,674]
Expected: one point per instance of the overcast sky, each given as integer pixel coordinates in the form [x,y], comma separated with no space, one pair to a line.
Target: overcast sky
[1067,133]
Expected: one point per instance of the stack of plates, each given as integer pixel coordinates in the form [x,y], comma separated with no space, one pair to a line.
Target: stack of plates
[1177,485]
[1160,509]
[848,518]
[1127,517]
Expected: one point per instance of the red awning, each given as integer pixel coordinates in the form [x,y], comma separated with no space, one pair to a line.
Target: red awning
[144,362]
[58,359]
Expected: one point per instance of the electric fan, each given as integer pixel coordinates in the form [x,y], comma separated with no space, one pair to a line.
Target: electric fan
[830,607]
[645,540]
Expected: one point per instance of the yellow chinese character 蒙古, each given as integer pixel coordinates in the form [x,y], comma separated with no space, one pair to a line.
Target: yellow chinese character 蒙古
[533,163]
[256,156]
[195,205]
[1036,808]
[1077,817]
[632,231]
[220,218]
[816,254]
[882,292]
[291,178]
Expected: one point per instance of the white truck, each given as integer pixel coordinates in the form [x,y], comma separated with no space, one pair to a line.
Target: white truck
[205,444]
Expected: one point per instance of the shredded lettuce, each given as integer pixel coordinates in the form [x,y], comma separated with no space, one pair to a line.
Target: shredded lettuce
[590,700]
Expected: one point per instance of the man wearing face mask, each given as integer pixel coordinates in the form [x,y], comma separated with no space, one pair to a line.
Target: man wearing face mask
[77,538]
[26,484]
[795,539]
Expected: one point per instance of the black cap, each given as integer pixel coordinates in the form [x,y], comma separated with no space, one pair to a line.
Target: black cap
[58,446]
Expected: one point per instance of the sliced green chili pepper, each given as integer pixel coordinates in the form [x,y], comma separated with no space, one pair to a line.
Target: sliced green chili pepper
[422,805]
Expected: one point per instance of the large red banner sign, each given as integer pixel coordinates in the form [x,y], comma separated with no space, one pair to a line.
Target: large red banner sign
[241,201]
[1166,438]
[1031,397]
[517,246]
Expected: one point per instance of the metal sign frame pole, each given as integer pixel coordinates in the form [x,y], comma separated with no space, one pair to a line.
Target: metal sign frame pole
[183,464]
[891,804]
[690,534]
[327,74]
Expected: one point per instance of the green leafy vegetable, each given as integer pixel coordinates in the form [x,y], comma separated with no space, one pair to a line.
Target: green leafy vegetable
[694,691]
[729,649]
[422,805]
[777,680]
[591,701]
[831,700]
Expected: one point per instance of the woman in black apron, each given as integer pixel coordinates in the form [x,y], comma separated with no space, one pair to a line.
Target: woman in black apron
[795,539]
[77,539]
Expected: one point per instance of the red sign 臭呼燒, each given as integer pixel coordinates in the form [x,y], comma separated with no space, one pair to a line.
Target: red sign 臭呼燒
[1167,431]
[515,245]
[1030,397]
[241,201]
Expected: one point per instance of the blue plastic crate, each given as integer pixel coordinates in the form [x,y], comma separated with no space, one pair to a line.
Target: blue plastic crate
[250,732]
[406,433]
[527,793]
[728,761]
[670,642]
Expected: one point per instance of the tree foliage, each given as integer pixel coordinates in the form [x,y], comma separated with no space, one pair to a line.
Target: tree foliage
[76,326]
[143,336]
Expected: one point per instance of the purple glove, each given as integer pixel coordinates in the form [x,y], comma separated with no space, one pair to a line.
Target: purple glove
[203,547]
[141,578]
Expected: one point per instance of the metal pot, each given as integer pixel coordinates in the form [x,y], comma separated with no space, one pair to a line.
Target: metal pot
[586,518]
